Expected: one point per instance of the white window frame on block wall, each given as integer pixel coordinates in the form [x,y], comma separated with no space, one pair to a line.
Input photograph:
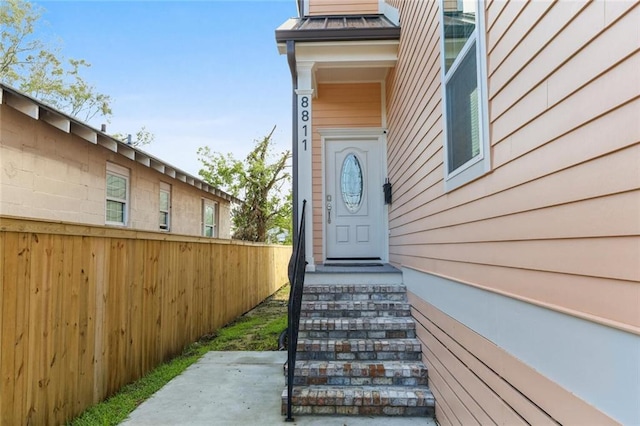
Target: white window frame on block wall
[465,106]
[165,207]
[209,221]
[113,193]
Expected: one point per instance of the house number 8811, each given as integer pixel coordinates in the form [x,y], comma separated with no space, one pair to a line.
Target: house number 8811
[304,116]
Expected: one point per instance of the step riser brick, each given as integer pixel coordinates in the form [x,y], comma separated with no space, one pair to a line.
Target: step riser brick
[362,411]
[354,289]
[391,334]
[342,410]
[360,356]
[300,380]
[355,309]
[360,373]
[357,305]
[361,396]
[341,297]
[393,401]
[403,313]
[357,324]
[340,345]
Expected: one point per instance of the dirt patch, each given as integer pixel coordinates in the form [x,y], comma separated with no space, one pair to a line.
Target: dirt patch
[272,307]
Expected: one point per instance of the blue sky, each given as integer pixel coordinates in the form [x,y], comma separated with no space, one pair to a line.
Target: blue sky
[195,73]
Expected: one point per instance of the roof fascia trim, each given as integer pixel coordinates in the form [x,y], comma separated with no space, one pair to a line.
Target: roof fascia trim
[349,34]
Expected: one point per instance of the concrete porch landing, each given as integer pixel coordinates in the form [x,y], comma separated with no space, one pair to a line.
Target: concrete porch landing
[237,388]
[353,274]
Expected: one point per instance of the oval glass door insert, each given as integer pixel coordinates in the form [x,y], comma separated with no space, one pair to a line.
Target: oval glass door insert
[351,183]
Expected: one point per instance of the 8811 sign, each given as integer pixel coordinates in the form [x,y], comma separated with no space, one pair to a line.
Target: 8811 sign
[304,121]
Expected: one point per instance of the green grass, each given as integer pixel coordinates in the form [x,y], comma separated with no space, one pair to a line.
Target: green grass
[257,330]
[250,334]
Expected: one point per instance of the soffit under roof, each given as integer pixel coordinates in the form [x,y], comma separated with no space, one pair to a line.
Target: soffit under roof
[351,74]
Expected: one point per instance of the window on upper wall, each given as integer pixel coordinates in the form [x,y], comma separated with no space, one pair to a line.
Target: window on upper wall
[165,206]
[117,195]
[209,218]
[464,94]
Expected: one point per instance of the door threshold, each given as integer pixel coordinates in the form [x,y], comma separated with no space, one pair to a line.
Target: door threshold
[360,261]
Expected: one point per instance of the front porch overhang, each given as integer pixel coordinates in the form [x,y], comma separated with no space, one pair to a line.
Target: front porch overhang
[342,48]
[342,51]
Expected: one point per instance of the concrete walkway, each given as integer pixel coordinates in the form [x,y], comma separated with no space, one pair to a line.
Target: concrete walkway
[236,388]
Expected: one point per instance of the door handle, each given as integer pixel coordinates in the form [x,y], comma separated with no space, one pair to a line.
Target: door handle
[329,213]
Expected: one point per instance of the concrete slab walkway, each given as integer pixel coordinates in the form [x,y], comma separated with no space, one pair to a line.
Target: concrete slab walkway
[237,388]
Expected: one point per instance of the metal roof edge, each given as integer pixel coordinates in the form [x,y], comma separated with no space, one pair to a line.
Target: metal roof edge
[296,33]
[338,34]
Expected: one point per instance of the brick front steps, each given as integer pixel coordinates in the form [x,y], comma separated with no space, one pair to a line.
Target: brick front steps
[358,355]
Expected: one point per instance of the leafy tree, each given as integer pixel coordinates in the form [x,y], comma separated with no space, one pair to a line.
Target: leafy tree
[265,214]
[40,70]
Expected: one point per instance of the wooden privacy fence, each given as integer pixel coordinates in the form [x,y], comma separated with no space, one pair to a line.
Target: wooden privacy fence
[87,309]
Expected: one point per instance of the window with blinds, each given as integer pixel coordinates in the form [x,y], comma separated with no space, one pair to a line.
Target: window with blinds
[117,195]
[165,206]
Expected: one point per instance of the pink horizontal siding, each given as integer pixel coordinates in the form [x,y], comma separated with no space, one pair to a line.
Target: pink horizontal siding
[555,223]
[342,7]
[562,197]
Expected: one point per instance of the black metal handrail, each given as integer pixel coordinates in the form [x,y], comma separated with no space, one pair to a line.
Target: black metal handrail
[297,267]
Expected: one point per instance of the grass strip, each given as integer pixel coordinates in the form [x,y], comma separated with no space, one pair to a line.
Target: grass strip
[257,330]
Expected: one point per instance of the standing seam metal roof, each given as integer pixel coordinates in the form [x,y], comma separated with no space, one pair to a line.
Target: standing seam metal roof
[340,28]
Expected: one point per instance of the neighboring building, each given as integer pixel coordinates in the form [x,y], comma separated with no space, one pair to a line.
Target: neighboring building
[55,167]
[510,133]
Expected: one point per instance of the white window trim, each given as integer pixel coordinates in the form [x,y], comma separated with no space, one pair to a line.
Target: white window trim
[123,172]
[165,187]
[480,164]
[206,202]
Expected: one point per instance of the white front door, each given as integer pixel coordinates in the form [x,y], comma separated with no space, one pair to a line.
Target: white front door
[354,202]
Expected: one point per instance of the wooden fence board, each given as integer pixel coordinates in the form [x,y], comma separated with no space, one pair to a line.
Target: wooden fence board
[9,300]
[3,388]
[72,310]
[86,324]
[22,345]
[101,285]
[35,327]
